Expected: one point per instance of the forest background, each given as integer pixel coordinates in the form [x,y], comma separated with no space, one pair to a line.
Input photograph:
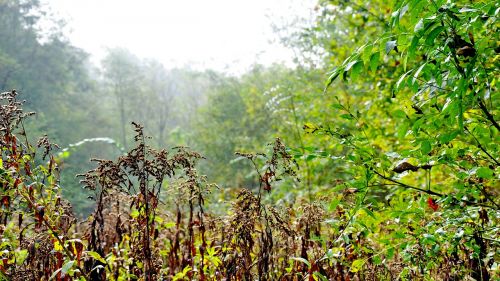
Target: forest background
[214,113]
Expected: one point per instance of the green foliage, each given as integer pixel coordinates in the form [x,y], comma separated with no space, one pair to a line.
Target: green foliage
[429,133]
[34,218]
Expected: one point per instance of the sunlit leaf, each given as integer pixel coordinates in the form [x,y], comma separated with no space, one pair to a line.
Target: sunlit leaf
[357,265]
[484,173]
[429,40]
[96,256]
[302,260]
[389,46]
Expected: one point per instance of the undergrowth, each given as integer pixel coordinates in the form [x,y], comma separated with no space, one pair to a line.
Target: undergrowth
[152,221]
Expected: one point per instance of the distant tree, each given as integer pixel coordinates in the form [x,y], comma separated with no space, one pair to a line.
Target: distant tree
[123,76]
[160,90]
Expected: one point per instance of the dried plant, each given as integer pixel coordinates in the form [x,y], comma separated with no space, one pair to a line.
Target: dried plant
[153,221]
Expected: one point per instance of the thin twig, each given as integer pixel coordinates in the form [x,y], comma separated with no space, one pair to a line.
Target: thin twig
[481,147]
[429,191]
[489,116]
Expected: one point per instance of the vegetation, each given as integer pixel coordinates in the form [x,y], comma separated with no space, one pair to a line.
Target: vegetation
[382,160]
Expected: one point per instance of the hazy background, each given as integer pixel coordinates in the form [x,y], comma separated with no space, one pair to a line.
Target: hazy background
[218,76]
[221,34]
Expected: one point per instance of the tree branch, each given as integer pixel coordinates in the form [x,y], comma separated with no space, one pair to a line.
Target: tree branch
[481,147]
[430,192]
[489,116]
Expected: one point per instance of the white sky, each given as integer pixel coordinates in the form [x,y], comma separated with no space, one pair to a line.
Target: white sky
[218,34]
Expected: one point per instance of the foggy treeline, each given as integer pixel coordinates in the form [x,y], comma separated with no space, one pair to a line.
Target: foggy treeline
[77,102]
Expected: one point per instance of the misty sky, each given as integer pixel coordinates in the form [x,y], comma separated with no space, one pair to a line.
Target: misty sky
[217,34]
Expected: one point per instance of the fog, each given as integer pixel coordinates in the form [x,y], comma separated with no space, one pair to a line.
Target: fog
[223,35]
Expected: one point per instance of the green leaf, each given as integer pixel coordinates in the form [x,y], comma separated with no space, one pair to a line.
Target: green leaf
[169,224]
[425,147]
[413,47]
[415,76]
[337,106]
[367,52]
[417,124]
[357,265]
[302,260]
[403,11]
[399,113]
[433,34]
[450,107]
[346,116]
[369,212]
[419,26]
[96,256]
[320,276]
[350,64]
[134,214]
[374,61]
[66,267]
[21,256]
[311,157]
[356,69]
[401,79]
[452,15]
[460,92]
[310,128]
[335,73]
[390,253]
[484,173]
[429,24]
[389,46]
[403,130]
[446,138]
